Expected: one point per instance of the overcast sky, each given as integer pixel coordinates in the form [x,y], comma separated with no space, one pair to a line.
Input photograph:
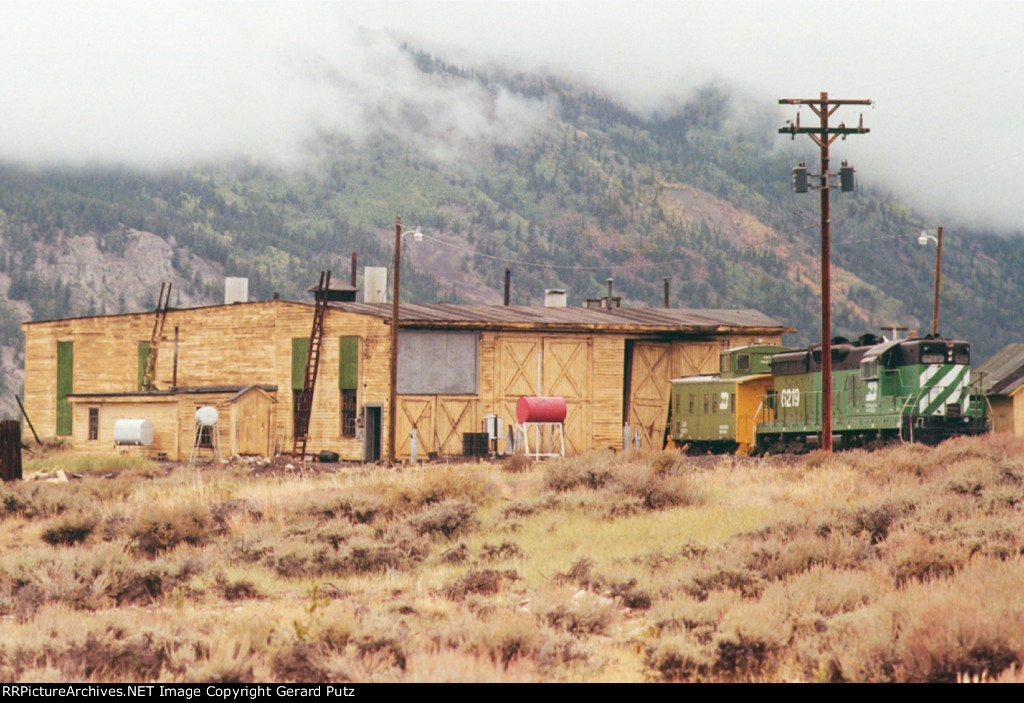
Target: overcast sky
[157,83]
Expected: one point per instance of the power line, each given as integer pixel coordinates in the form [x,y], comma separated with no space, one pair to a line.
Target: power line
[521,262]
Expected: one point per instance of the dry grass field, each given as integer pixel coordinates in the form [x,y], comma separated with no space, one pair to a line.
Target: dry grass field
[901,565]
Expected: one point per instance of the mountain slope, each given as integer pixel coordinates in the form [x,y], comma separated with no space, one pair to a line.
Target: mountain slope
[594,191]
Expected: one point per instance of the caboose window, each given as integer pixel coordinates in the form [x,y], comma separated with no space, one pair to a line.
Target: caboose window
[743,362]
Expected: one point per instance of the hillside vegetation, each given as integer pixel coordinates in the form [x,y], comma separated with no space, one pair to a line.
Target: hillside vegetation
[594,191]
[903,565]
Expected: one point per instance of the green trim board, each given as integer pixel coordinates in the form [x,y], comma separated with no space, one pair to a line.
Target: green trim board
[143,359]
[65,386]
[300,352]
[348,363]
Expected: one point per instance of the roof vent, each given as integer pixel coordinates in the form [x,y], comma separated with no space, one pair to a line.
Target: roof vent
[554,298]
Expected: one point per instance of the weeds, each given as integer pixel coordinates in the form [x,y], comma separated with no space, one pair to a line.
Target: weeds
[165,526]
[70,529]
[447,519]
[898,565]
[483,581]
[578,613]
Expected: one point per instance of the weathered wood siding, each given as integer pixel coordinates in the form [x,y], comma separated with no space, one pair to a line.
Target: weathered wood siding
[232,345]
[654,364]
[252,422]
[160,411]
[374,342]
[251,343]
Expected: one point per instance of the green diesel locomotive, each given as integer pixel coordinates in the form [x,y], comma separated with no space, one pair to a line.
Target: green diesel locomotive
[910,390]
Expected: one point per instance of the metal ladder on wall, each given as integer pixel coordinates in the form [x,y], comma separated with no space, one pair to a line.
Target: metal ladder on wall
[304,402]
[162,306]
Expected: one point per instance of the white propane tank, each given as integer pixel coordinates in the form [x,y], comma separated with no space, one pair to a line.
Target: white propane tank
[206,416]
[133,433]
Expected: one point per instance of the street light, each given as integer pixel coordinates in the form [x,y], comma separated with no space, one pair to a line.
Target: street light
[923,241]
[417,235]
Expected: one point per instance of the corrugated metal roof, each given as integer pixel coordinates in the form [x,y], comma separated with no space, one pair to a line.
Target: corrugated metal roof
[180,390]
[1004,372]
[523,316]
[655,319]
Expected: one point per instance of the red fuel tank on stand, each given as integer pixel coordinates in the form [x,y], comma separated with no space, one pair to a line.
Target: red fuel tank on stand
[540,409]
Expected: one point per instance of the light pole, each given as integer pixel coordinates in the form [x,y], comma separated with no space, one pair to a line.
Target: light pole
[923,241]
[393,400]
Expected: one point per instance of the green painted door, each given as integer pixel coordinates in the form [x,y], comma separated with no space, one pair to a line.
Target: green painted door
[65,385]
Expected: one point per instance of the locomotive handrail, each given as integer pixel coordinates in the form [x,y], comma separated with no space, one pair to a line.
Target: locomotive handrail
[974,391]
[753,430]
[912,402]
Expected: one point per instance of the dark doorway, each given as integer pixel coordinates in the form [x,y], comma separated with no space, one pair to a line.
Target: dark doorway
[371,432]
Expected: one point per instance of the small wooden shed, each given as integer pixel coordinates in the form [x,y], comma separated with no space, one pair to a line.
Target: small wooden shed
[252,422]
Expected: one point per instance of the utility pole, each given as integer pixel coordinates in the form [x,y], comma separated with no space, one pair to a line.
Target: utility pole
[393,394]
[923,240]
[823,135]
[938,281]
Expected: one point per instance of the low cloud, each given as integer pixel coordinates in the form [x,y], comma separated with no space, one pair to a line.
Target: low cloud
[167,83]
[150,86]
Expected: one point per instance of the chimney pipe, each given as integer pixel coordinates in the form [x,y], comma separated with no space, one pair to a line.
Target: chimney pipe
[353,269]
[608,302]
[666,292]
[508,286]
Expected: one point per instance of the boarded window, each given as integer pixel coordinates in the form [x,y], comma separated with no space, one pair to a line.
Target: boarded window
[348,363]
[300,351]
[143,360]
[437,362]
[65,385]
[348,382]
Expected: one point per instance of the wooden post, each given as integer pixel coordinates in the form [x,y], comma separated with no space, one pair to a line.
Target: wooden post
[393,394]
[938,280]
[10,450]
[30,425]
